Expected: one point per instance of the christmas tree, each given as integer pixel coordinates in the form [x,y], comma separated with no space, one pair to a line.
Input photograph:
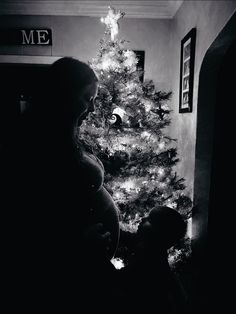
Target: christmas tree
[127,132]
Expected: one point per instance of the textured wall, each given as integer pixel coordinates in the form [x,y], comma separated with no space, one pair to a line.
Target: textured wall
[208,17]
[79,36]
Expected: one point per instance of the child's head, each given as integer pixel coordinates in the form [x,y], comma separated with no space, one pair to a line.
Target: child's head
[164,225]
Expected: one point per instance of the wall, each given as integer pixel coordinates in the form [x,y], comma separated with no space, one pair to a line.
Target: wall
[208,17]
[79,36]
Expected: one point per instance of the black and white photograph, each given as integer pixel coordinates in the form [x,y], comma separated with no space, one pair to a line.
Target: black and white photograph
[187,49]
[186,67]
[186,83]
[187,71]
[116,155]
[185,99]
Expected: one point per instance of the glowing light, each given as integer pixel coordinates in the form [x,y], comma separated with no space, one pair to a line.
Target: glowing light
[117,262]
[145,134]
[153,170]
[108,62]
[128,185]
[111,21]
[162,185]
[131,86]
[171,204]
[171,258]
[189,228]
[165,107]
[130,59]
[161,171]
[128,54]
[147,106]
[118,147]
[117,195]
[161,145]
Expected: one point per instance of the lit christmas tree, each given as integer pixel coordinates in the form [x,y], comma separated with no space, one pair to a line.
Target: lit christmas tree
[126,132]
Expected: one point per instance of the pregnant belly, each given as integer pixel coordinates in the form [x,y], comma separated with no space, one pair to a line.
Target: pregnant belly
[104,210]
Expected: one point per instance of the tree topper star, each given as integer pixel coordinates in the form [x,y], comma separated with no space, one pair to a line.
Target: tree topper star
[111,21]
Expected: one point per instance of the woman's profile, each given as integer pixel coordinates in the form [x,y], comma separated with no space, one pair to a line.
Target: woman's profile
[65,224]
[61,226]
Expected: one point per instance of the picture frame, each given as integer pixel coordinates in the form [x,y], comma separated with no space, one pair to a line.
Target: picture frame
[140,54]
[187,57]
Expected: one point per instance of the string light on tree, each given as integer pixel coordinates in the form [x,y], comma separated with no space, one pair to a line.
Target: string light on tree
[161,145]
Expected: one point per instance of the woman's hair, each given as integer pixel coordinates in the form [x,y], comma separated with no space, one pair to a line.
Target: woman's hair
[68,76]
[62,83]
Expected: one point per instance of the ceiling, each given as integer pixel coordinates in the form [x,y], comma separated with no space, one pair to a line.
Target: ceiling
[133,9]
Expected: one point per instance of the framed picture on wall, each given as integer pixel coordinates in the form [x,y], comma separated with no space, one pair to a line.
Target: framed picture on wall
[140,54]
[187,71]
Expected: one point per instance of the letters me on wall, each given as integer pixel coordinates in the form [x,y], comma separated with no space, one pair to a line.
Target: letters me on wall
[33,37]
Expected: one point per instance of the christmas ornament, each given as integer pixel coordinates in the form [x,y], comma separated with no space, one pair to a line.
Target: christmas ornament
[118,116]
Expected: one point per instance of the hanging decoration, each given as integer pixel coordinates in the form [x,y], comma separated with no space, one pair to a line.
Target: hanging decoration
[118,116]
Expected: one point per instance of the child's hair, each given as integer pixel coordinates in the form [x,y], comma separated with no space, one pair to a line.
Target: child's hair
[168,225]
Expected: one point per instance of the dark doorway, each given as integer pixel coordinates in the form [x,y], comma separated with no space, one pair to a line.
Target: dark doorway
[19,83]
[223,161]
[214,141]
[214,173]
[222,192]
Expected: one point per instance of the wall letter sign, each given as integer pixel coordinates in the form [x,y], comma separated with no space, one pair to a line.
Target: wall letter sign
[32,37]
